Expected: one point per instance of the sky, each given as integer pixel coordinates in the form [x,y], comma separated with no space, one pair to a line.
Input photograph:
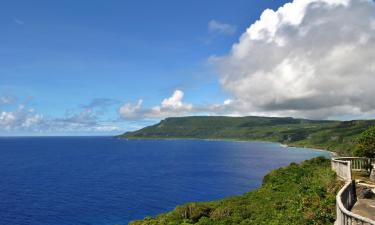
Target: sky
[106,67]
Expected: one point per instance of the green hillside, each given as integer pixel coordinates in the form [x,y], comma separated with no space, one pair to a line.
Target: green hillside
[298,194]
[336,136]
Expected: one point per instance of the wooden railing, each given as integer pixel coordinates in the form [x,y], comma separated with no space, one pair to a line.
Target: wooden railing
[346,197]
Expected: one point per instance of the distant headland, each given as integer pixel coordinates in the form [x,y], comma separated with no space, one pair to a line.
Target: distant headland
[336,136]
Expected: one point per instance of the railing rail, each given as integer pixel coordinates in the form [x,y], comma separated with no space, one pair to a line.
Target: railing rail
[358,163]
[345,200]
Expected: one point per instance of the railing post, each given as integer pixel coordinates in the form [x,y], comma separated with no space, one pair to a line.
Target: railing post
[372,172]
[349,168]
[354,194]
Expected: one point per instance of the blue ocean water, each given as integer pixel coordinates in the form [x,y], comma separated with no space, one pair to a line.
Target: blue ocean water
[107,181]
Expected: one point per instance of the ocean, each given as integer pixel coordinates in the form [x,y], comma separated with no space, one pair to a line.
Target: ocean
[108,181]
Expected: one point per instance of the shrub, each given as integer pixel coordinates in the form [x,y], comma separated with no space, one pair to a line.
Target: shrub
[192,212]
[366,143]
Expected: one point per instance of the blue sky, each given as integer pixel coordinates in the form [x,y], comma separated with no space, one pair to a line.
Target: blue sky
[64,61]
[59,55]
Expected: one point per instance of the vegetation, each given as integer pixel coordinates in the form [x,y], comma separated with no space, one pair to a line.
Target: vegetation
[366,143]
[338,136]
[298,194]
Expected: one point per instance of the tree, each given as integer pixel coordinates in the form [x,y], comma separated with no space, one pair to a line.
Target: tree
[366,143]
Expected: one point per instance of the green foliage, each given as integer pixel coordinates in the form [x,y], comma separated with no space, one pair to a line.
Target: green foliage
[192,212]
[298,194]
[366,143]
[331,135]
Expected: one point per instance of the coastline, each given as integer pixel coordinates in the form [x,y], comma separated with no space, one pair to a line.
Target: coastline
[331,153]
[282,145]
[278,185]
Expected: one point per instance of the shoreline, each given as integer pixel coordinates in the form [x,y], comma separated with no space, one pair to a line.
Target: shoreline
[282,145]
[215,204]
[331,153]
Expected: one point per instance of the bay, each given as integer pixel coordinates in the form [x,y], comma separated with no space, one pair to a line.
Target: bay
[107,181]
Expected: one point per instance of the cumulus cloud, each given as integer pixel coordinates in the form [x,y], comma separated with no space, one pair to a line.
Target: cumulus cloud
[309,58]
[19,119]
[215,26]
[172,106]
[169,107]
[129,110]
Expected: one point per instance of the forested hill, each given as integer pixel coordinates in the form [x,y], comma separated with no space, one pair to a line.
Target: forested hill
[336,136]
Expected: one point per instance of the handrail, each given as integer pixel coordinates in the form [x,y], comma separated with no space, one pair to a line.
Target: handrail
[350,157]
[346,198]
[357,163]
[344,216]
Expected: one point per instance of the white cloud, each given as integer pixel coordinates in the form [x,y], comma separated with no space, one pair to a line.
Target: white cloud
[228,102]
[6,99]
[169,107]
[25,120]
[32,120]
[221,28]
[21,118]
[175,102]
[310,58]
[129,110]
[17,116]
[7,118]
[172,106]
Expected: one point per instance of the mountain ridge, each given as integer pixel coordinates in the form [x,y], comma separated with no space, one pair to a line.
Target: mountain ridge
[332,135]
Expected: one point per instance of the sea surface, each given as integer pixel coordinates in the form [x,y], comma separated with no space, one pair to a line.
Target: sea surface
[107,181]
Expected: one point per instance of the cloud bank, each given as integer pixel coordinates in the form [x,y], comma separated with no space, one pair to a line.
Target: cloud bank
[21,118]
[309,58]
[175,106]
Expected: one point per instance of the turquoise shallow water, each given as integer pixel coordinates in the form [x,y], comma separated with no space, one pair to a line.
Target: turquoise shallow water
[102,180]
